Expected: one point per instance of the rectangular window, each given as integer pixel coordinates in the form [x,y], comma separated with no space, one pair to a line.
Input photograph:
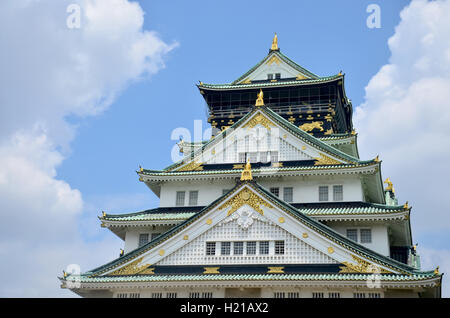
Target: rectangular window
[264,248]
[122,295]
[275,191]
[180,198]
[193,197]
[242,157]
[207,295]
[156,295]
[171,295]
[288,194]
[155,235]
[194,295]
[366,235]
[251,248]
[274,156]
[359,295]
[279,247]
[143,239]
[277,75]
[238,248]
[352,234]
[338,193]
[279,295]
[317,295]
[253,156]
[334,295]
[135,295]
[323,193]
[263,156]
[210,248]
[373,295]
[270,76]
[293,295]
[225,248]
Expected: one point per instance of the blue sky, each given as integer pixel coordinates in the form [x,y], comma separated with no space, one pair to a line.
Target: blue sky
[78,114]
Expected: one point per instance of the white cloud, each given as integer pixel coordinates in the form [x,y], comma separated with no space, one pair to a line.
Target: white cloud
[48,73]
[405,115]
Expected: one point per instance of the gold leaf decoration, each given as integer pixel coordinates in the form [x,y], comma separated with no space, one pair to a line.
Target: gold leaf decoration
[132,269]
[362,266]
[211,270]
[192,166]
[275,270]
[324,160]
[259,119]
[311,126]
[245,196]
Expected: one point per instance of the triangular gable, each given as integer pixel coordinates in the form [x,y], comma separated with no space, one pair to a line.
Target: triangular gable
[291,142]
[251,197]
[273,63]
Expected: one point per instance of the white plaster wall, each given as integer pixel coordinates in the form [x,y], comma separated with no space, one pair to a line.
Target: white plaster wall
[380,238]
[306,189]
[132,235]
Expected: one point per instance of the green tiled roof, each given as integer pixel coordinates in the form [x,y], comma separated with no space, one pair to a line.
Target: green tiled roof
[283,58]
[255,277]
[153,217]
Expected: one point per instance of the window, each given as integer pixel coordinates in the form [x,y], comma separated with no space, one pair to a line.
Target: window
[143,239]
[279,295]
[334,295]
[275,191]
[293,295]
[207,295]
[374,295]
[251,248]
[338,193]
[359,295]
[288,194]
[263,156]
[210,248]
[193,197]
[277,76]
[323,193]
[264,248]
[180,198]
[171,295]
[270,76]
[122,295]
[135,295]
[225,248]
[155,235]
[242,157]
[253,156]
[279,247]
[238,248]
[194,295]
[156,295]
[317,295]
[274,156]
[366,235]
[352,234]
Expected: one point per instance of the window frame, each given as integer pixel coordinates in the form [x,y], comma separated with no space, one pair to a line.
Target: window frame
[178,198]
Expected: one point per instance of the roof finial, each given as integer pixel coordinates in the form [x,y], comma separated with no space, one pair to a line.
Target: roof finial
[274,43]
[390,186]
[247,172]
[260,99]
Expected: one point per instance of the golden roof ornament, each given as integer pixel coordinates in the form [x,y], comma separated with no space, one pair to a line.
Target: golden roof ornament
[274,46]
[390,186]
[260,99]
[247,172]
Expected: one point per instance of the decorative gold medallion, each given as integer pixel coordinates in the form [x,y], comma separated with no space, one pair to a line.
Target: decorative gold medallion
[245,196]
[281,219]
[275,270]
[211,270]
[330,250]
[161,252]
[209,221]
[305,235]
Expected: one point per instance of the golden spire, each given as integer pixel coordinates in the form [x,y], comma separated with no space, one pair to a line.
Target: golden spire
[247,172]
[260,99]
[390,186]
[274,43]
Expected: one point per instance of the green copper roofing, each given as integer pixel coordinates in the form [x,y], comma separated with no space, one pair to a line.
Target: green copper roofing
[256,277]
[303,218]
[152,217]
[285,59]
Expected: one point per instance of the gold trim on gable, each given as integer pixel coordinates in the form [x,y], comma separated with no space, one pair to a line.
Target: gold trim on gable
[245,196]
[362,266]
[325,160]
[259,119]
